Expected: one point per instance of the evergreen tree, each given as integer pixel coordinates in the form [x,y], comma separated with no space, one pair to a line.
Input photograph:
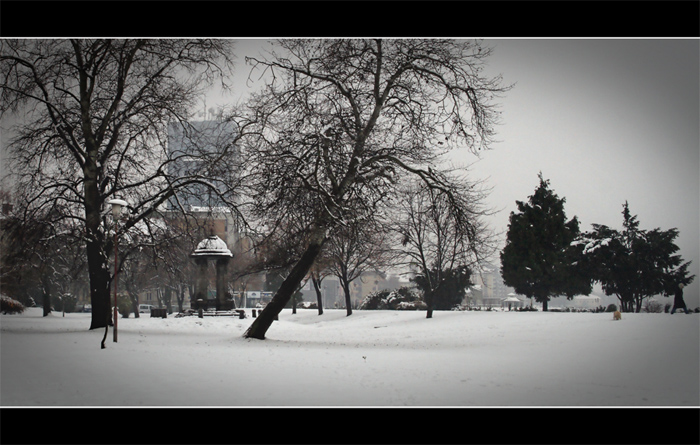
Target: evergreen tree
[542,258]
[450,290]
[635,264]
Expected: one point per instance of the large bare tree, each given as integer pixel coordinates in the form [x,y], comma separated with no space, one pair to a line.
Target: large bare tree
[93,127]
[342,121]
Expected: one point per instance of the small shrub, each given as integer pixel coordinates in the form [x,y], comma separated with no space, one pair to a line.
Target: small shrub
[124,305]
[611,308]
[653,307]
[375,300]
[10,306]
[64,303]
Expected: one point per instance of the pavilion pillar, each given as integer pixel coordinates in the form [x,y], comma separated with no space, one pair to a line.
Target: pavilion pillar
[221,282]
[201,283]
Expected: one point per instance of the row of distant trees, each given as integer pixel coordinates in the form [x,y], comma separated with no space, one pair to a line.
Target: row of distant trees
[42,259]
[418,234]
[547,256]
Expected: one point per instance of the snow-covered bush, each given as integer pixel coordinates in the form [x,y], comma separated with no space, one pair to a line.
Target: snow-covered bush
[10,306]
[402,299]
[124,305]
[653,306]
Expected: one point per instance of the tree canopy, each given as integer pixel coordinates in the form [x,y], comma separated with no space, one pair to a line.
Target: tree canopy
[541,259]
[635,264]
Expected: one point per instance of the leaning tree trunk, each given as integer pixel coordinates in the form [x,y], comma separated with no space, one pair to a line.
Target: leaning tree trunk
[289,286]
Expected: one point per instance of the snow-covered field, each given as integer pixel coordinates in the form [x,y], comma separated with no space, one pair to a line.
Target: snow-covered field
[372,358]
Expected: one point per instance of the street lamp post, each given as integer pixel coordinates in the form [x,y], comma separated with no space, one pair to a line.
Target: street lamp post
[117,205]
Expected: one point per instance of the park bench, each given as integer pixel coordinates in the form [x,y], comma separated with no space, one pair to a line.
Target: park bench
[159,313]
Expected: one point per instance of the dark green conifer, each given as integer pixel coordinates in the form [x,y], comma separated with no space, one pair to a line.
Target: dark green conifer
[635,264]
[542,258]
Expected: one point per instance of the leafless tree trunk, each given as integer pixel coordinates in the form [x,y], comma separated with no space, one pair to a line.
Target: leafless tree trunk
[317,281]
[354,250]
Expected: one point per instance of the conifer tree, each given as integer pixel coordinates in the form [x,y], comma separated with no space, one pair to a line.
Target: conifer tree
[635,264]
[542,258]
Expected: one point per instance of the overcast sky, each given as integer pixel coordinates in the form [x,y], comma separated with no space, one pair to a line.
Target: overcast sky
[605,121]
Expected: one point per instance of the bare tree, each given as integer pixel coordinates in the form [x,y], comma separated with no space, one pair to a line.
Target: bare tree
[441,236]
[39,257]
[355,249]
[95,126]
[342,121]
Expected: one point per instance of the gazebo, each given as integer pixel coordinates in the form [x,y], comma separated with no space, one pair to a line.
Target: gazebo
[511,301]
[211,248]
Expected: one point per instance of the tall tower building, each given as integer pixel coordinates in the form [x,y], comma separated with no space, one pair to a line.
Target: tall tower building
[189,145]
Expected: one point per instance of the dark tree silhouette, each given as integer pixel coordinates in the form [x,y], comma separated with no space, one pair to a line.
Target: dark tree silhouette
[542,258]
[635,264]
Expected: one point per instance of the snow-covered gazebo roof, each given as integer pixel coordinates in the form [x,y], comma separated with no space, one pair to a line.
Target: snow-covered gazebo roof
[212,246]
[512,298]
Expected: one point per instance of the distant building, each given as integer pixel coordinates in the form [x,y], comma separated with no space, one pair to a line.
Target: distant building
[584,302]
[488,289]
[187,144]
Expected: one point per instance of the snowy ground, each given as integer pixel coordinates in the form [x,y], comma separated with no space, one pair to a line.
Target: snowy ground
[372,358]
